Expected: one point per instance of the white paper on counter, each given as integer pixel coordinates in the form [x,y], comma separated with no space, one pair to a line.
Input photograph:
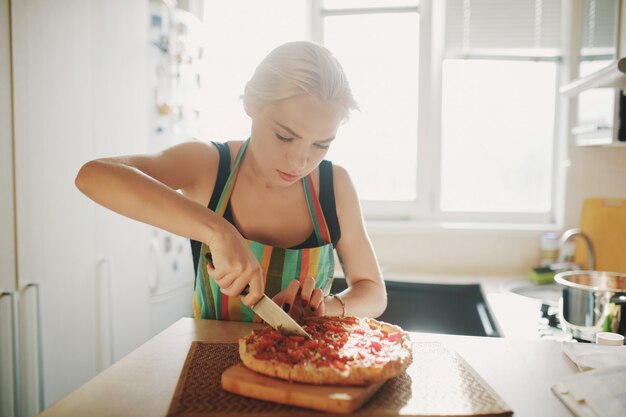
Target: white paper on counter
[601,391]
[591,356]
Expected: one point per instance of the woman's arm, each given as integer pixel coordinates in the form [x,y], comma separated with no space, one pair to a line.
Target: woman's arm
[144,188]
[366,295]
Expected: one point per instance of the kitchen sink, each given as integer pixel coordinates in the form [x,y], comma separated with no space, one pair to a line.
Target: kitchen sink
[546,293]
[435,308]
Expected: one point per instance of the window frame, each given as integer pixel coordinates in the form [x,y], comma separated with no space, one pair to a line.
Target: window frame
[424,210]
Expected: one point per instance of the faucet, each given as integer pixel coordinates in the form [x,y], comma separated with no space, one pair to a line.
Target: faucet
[572,233]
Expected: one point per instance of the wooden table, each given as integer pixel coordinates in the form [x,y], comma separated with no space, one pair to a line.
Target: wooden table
[142,383]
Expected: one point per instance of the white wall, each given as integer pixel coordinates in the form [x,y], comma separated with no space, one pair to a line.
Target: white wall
[593,172]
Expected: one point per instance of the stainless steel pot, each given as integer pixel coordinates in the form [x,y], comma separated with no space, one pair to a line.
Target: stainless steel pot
[592,302]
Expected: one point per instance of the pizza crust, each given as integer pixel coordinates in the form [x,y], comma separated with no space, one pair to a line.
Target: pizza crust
[354,374]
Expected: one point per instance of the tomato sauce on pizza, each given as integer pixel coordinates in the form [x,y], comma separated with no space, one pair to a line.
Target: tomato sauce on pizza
[342,351]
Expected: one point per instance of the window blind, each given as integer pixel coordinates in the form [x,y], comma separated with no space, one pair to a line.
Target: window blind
[365,4]
[522,27]
[599,26]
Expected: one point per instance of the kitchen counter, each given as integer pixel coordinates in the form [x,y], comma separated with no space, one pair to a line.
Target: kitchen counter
[143,382]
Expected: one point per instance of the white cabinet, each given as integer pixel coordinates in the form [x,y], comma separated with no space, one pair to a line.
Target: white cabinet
[119,102]
[7,245]
[8,278]
[79,90]
[596,47]
[55,241]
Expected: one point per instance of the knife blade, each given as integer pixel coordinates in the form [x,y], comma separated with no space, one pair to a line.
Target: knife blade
[275,316]
[271,312]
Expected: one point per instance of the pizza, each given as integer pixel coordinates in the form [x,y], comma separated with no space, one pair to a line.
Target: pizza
[342,351]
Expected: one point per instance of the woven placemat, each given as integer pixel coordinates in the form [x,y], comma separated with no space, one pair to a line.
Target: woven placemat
[438,383]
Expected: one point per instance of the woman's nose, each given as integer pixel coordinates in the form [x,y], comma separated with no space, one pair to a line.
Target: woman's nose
[298,158]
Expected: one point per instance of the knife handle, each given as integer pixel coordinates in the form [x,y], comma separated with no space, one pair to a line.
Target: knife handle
[209,260]
[246,290]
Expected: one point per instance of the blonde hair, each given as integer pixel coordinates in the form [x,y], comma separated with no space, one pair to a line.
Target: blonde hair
[297,68]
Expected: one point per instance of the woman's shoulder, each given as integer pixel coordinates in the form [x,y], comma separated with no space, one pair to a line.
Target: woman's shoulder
[194,149]
[201,150]
[198,161]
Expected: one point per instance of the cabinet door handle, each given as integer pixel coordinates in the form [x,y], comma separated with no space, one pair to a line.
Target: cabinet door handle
[104,313]
[16,353]
[156,262]
[42,394]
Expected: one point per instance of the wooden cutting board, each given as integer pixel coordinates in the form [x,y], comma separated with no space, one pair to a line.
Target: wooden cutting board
[335,399]
[604,221]
[438,382]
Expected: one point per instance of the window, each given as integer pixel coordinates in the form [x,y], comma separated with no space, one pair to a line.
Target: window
[497,135]
[499,90]
[458,98]
[459,102]
[379,144]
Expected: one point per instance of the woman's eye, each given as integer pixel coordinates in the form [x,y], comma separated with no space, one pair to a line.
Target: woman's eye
[320,146]
[284,139]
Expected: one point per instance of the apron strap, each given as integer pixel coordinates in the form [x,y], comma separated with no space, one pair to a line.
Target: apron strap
[317,215]
[230,183]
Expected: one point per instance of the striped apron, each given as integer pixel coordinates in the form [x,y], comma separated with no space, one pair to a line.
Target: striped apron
[279,265]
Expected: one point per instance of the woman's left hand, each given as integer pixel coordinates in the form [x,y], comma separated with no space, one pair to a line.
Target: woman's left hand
[301,300]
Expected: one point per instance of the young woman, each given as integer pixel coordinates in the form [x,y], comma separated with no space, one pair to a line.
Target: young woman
[266,212]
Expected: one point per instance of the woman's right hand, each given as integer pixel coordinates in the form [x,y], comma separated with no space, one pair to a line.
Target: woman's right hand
[234,265]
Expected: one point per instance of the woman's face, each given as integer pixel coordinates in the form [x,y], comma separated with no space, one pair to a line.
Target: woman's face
[291,137]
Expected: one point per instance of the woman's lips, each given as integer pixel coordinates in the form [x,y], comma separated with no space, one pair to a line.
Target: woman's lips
[287,177]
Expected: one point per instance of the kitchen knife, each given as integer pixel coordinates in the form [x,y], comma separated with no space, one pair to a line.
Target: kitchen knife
[271,312]
[275,316]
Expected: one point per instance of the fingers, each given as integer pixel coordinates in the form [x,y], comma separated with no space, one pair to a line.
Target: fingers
[312,298]
[307,288]
[279,298]
[231,263]
[232,283]
[316,304]
[290,295]
[299,301]
[225,282]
